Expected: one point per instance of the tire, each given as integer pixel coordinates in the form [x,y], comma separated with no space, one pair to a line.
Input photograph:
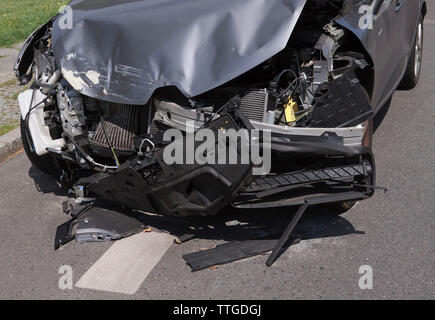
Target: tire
[45,163]
[339,208]
[413,69]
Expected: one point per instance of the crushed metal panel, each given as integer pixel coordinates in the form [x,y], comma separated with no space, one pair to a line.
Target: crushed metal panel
[114,53]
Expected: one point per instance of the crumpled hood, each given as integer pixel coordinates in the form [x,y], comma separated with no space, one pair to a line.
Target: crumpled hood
[123,50]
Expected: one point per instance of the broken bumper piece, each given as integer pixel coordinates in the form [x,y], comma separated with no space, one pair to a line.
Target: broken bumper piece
[97,222]
[292,189]
[146,183]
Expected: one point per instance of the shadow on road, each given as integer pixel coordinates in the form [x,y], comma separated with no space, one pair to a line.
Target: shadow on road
[238,225]
[379,117]
[231,224]
[45,183]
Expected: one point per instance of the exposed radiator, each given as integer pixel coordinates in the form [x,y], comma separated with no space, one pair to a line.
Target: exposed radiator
[121,123]
[254,105]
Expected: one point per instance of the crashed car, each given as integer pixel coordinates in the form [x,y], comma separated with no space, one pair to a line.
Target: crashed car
[313,73]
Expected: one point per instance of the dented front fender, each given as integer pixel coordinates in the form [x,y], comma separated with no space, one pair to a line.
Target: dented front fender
[26,55]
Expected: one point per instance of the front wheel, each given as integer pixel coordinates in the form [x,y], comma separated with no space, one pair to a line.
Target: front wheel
[413,69]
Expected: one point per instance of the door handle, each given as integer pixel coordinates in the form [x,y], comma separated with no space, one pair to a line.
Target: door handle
[399,5]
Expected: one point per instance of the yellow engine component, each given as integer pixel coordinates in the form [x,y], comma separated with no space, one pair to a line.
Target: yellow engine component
[290,110]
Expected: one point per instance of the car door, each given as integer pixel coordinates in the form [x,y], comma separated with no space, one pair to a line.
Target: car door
[409,14]
[388,57]
[380,38]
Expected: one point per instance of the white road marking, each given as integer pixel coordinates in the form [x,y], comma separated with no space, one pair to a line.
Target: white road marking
[127,263]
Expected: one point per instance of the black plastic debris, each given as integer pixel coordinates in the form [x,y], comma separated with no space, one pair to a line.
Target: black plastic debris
[63,234]
[340,103]
[230,252]
[148,184]
[98,223]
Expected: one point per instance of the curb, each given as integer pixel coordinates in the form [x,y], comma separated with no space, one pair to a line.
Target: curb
[10,143]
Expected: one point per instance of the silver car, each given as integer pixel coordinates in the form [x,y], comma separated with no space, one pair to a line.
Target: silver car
[110,78]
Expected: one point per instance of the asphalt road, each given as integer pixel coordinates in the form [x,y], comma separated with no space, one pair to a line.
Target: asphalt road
[393,232]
